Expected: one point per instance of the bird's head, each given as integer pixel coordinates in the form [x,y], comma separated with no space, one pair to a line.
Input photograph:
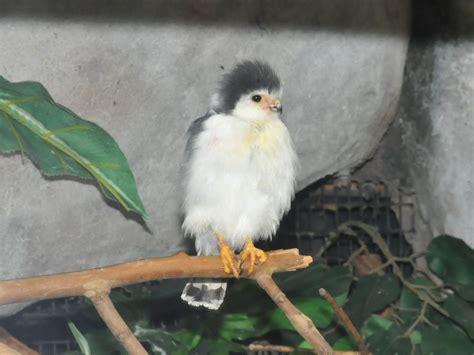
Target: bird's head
[251,91]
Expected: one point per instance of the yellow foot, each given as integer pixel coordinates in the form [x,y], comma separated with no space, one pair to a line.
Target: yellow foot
[227,257]
[256,255]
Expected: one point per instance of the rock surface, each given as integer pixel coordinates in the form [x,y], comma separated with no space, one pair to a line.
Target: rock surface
[145,70]
[438,116]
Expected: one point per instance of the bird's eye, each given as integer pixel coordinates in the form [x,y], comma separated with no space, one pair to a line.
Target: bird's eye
[256,98]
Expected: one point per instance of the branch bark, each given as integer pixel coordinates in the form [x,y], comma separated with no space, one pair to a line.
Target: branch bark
[289,349]
[172,267]
[346,322]
[115,322]
[97,283]
[303,325]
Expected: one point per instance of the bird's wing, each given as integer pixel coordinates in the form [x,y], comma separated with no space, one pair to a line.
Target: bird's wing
[193,132]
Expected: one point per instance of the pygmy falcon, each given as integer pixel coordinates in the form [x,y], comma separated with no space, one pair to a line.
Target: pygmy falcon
[239,175]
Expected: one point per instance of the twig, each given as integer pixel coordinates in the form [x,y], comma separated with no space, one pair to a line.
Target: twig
[421,318]
[279,348]
[424,294]
[303,325]
[115,322]
[332,237]
[362,249]
[346,322]
[290,349]
[12,346]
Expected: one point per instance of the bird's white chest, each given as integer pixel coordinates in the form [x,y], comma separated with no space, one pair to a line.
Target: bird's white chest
[261,139]
[247,144]
[241,180]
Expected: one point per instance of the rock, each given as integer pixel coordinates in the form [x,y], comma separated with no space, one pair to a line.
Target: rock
[145,72]
[437,116]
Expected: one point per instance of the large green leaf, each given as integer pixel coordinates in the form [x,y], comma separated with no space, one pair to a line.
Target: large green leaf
[453,261]
[62,144]
[372,293]
[390,342]
[446,338]
[461,312]
[102,342]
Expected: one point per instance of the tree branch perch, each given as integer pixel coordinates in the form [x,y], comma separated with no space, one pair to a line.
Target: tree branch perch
[177,266]
[97,283]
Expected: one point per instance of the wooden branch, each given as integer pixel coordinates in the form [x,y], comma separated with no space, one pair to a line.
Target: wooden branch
[97,283]
[106,278]
[289,349]
[303,325]
[346,322]
[278,348]
[12,346]
[113,320]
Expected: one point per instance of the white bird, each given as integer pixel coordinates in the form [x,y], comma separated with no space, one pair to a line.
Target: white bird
[239,175]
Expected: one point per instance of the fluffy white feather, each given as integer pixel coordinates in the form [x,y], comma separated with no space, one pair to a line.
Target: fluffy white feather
[240,177]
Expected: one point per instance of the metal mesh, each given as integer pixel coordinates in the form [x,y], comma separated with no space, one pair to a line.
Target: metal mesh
[319,210]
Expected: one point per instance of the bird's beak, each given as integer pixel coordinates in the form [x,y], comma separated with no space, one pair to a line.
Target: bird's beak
[275,106]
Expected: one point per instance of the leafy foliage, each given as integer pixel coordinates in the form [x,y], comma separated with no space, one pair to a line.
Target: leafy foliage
[371,294]
[62,144]
[417,327]
[392,318]
[453,261]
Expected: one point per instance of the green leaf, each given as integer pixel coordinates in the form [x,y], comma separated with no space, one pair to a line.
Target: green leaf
[453,261]
[188,337]
[80,339]
[62,144]
[239,326]
[416,337]
[315,308]
[410,304]
[161,341]
[344,344]
[335,280]
[372,293]
[446,338]
[385,337]
[102,342]
[390,342]
[461,312]
[305,345]
[375,324]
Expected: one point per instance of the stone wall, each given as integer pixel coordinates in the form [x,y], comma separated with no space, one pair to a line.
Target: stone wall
[143,70]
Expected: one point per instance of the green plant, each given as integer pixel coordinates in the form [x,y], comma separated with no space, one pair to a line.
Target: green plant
[62,144]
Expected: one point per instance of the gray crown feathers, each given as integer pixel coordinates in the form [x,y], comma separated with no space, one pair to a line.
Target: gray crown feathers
[246,77]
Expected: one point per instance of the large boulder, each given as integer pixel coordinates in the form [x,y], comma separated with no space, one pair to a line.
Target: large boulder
[145,70]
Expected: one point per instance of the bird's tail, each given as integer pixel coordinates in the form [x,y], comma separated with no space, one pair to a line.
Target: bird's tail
[208,293]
